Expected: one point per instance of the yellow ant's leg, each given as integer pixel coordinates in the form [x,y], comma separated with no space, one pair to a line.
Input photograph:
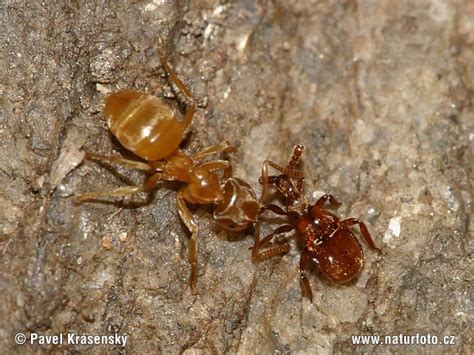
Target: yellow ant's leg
[228,172]
[187,218]
[131,164]
[223,147]
[215,165]
[122,191]
[173,77]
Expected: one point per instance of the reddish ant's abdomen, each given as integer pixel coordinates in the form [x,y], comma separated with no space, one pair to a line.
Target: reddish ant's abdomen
[340,256]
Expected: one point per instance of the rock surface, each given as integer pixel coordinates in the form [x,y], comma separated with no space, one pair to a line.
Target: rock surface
[380,93]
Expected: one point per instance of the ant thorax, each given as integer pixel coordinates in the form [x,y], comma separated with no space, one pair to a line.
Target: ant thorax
[299,207]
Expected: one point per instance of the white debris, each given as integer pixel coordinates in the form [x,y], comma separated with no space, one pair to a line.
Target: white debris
[70,157]
[393,229]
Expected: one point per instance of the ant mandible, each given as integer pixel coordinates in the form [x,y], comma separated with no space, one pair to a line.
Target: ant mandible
[326,239]
[149,127]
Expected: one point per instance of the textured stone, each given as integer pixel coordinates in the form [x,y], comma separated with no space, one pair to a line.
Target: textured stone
[379,92]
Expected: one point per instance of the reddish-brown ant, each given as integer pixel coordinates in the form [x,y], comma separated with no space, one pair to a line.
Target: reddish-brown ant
[326,240]
[149,127]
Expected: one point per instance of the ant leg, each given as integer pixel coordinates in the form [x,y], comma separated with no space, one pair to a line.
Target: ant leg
[292,173]
[215,165]
[149,184]
[265,180]
[296,156]
[283,229]
[299,185]
[304,260]
[188,220]
[173,77]
[272,251]
[228,172]
[131,164]
[223,147]
[363,229]
[272,179]
[289,170]
[280,230]
[276,209]
[325,198]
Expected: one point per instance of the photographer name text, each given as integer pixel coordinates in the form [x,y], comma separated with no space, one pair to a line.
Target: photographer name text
[71,339]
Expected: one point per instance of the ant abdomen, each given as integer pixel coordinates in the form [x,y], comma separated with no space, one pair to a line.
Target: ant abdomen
[143,124]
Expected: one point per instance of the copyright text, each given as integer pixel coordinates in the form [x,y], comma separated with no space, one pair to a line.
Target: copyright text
[70,339]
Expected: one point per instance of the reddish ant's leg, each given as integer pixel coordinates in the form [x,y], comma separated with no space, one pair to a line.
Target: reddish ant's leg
[257,255]
[320,203]
[265,178]
[304,261]
[325,198]
[265,181]
[273,251]
[296,156]
[256,245]
[280,230]
[299,185]
[290,171]
[275,209]
[349,222]
[271,180]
